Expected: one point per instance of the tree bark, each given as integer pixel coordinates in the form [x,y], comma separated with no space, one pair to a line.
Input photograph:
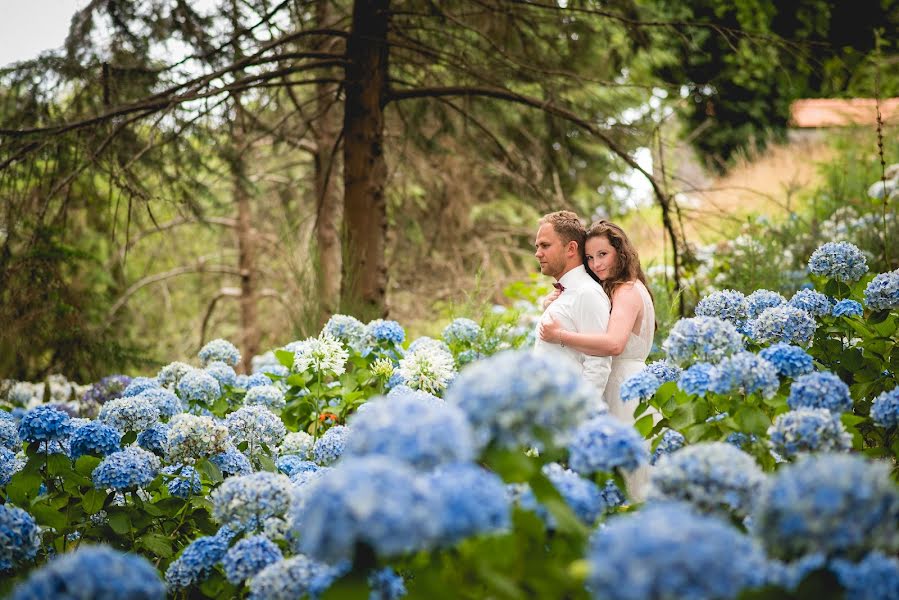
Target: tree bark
[364,286]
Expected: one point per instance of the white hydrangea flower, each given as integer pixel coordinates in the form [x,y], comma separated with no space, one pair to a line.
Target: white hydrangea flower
[192,437]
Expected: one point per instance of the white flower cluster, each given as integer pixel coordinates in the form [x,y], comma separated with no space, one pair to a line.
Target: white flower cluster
[192,437]
[325,355]
[428,368]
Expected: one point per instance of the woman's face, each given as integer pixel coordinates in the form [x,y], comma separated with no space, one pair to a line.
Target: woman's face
[602,258]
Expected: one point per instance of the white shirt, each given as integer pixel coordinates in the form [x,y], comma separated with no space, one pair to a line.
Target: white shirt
[583,307]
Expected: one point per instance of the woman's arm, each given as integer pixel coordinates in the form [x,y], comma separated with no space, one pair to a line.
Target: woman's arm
[626,307]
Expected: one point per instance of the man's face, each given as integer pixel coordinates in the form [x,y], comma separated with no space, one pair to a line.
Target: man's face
[550,251]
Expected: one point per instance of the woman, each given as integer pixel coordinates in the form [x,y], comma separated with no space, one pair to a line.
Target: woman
[612,259]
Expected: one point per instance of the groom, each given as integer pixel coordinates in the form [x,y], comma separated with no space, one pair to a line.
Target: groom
[582,305]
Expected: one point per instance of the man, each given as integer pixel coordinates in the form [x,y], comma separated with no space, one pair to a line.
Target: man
[582,305]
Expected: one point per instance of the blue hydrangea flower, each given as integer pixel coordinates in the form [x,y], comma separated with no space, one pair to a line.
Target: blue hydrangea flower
[381,330]
[759,300]
[581,495]
[604,444]
[232,462]
[297,442]
[882,293]
[94,438]
[249,556]
[836,504]
[222,372]
[185,481]
[9,434]
[790,361]
[138,385]
[385,584]
[20,537]
[744,373]
[696,378]
[714,477]
[812,302]
[464,331]
[847,308]
[703,339]
[134,413]
[668,551]
[10,464]
[396,379]
[513,396]
[165,401]
[44,424]
[371,500]
[347,329]
[247,501]
[127,469]
[169,375]
[422,434]
[196,562]
[639,386]
[266,395]
[785,323]
[292,463]
[101,392]
[256,425]
[671,441]
[612,495]
[820,390]
[194,437]
[808,430]
[257,379]
[154,439]
[472,501]
[405,391]
[329,447]
[875,577]
[838,260]
[729,305]
[219,350]
[93,572]
[664,370]
[293,578]
[429,342]
[200,387]
[885,409]
[740,440]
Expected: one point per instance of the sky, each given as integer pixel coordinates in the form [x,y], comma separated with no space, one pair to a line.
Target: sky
[29,27]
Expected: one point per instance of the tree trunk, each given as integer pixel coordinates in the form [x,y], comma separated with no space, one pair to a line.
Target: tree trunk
[249,322]
[365,171]
[329,210]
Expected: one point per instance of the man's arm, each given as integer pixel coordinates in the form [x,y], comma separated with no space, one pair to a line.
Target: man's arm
[591,315]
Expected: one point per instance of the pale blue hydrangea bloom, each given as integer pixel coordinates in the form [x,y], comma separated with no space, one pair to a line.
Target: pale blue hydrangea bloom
[138,385]
[582,495]
[667,551]
[462,330]
[246,502]
[740,440]
[875,577]
[729,305]
[812,302]
[297,442]
[696,378]
[330,446]
[165,401]
[759,300]
[429,342]
[790,361]
[185,480]
[744,373]
[604,444]
[93,572]
[703,339]
[714,477]
[422,434]
[45,424]
[371,500]
[838,260]
[836,504]
[256,425]
[293,578]
[9,434]
[347,329]
[820,390]
[20,537]
[664,370]
[513,396]
[232,462]
[639,386]
[94,438]
[385,584]
[127,469]
[200,387]
[785,323]
[847,308]
[222,372]
[885,409]
[169,375]
[381,330]
[790,575]
[194,437]
[219,350]
[289,464]
[10,464]
[249,556]
[196,562]
[266,395]
[471,501]
[405,391]
[808,430]
[671,441]
[134,413]
[882,292]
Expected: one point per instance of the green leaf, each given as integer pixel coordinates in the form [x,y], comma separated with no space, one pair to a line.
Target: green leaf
[93,500]
[23,487]
[878,316]
[644,425]
[210,471]
[57,464]
[156,543]
[285,357]
[751,419]
[129,438]
[851,359]
[120,523]
[511,465]
[266,463]
[46,515]
[86,464]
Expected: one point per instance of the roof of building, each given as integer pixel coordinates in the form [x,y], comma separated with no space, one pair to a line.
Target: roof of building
[835,112]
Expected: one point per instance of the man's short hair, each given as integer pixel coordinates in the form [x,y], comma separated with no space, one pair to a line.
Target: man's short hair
[567,226]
